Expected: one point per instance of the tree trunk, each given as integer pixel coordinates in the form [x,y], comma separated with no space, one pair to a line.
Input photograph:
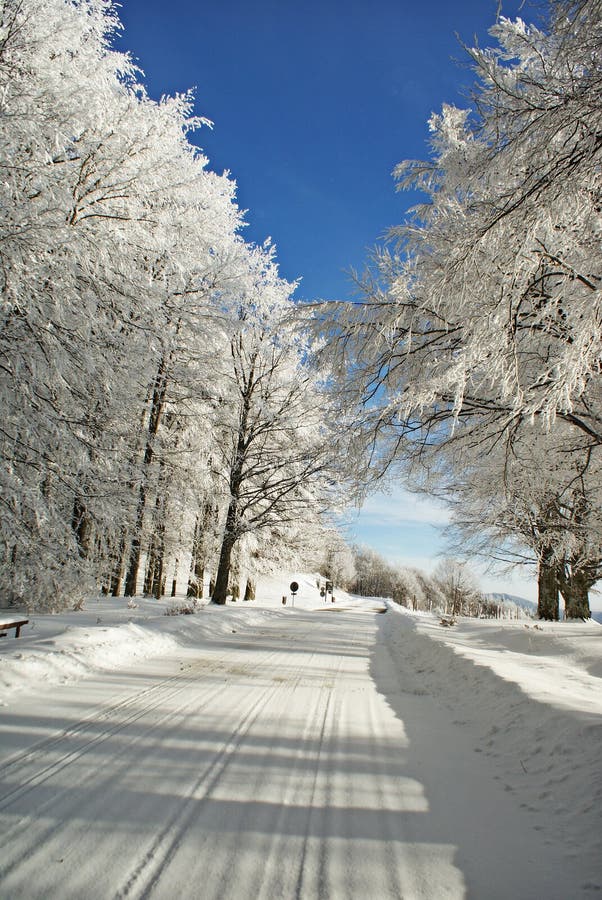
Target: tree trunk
[575,591]
[235,577]
[231,533]
[195,582]
[249,590]
[197,563]
[197,571]
[225,557]
[154,420]
[202,525]
[131,578]
[115,578]
[151,567]
[82,527]
[174,579]
[547,585]
[159,575]
[158,585]
[154,578]
[155,573]
[117,572]
[220,592]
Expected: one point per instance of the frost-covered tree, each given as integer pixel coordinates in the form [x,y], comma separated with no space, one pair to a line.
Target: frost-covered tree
[174,455]
[374,576]
[151,390]
[535,504]
[459,587]
[414,589]
[274,452]
[337,560]
[205,544]
[490,306]
[408,586]
[503,273]
[71,253]
[480,324]
[117,245]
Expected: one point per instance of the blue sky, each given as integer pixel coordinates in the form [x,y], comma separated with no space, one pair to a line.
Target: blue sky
[313,105]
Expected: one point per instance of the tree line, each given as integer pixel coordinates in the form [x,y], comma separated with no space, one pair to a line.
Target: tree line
[472,356]
[452,588]
[159,417]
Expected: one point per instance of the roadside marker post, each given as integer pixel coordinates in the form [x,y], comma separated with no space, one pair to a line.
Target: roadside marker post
[294,587]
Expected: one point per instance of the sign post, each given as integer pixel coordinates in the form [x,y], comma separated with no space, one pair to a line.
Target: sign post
[294,587]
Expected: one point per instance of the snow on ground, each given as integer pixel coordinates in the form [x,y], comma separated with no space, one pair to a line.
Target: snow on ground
[530,696]
[418,761]
[111,632]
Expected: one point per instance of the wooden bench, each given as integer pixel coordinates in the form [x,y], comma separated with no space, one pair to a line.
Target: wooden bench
[16,624]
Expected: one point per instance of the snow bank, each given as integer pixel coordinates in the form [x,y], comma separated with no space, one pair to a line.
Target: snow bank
[559,664]
[531,698]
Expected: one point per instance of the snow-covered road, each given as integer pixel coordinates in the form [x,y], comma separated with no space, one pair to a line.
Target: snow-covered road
[289,761]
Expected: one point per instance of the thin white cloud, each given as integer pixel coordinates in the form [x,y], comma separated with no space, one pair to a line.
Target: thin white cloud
[426,564]
[400,507]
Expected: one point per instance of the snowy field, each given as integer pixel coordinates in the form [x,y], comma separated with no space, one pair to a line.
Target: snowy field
[307,751]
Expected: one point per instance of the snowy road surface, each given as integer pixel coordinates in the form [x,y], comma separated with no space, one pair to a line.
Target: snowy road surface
[286,762]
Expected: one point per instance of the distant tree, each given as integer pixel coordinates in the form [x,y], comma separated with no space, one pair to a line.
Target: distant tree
[337,560]
[458,586]
[408,586]
[412,589]
[374,576]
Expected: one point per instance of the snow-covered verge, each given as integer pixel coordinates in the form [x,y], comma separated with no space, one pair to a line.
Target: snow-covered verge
[109,633]
[530,696]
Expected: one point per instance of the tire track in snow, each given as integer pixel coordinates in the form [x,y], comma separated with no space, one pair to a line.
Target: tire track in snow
[295,780]
[149,868]
[167,689]
[32,754]
[273,882]
[302,873]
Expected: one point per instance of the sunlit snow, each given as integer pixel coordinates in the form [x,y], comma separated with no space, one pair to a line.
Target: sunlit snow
[314,750]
